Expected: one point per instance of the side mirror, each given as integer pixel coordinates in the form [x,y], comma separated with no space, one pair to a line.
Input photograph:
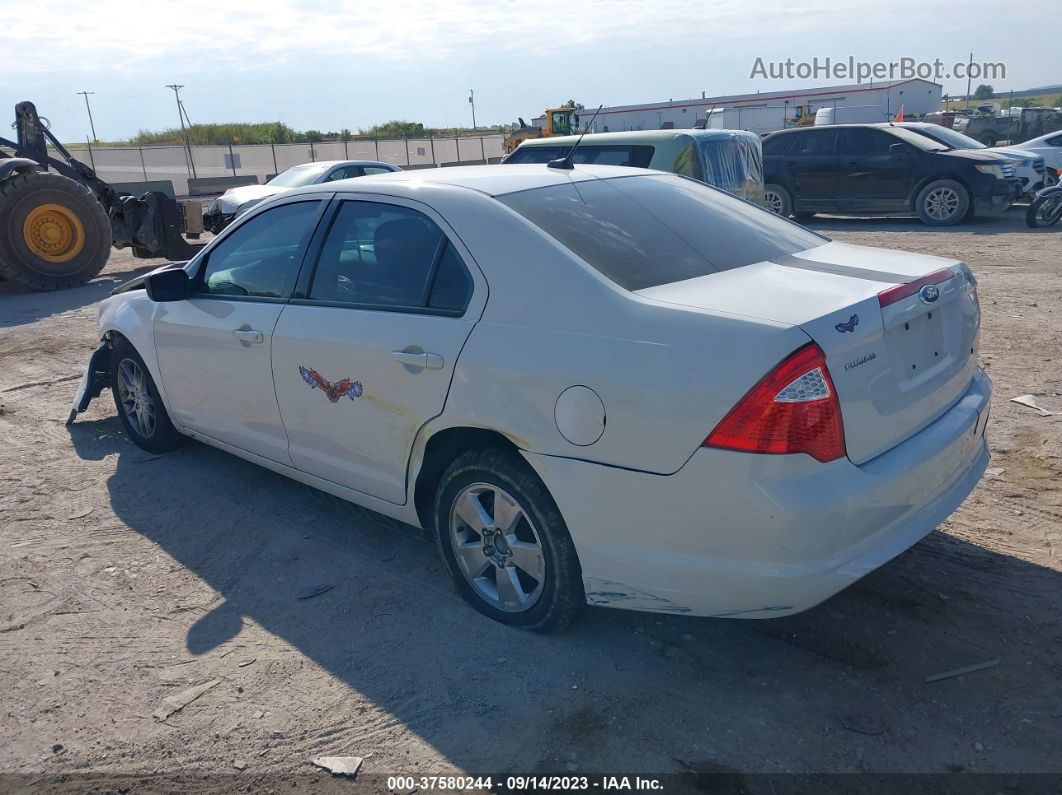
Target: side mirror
[899,150]
[167,285]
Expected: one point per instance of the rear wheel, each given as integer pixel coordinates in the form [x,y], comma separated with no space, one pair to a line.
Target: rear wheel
[1045,211]
[943,202]
[505,543]
[778,200]
[139,405]
[53,232]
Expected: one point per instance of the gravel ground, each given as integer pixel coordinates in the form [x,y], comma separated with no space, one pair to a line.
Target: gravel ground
[126,578]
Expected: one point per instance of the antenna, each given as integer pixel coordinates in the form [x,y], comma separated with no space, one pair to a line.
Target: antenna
[566,161]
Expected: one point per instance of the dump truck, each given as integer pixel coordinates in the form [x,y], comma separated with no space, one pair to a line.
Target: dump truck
[59,221]
[559,121]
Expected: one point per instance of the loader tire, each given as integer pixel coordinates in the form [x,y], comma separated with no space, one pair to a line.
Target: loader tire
[53,232]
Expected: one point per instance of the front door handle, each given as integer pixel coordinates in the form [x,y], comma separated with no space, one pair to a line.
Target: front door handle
[429,361]
[247,335]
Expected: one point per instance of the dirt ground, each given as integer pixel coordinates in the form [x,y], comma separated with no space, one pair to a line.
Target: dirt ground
[126,578]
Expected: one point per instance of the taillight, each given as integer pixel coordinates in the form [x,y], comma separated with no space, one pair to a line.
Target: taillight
[901,291]
[793,409]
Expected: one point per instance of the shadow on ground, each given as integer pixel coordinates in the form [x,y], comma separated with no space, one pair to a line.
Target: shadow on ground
[843,684]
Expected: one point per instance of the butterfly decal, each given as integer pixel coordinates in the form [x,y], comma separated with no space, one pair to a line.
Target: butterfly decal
[332,391]
[853,321]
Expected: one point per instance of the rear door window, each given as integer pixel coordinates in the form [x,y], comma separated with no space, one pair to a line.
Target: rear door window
[646,231]
[778,145]
[388,255]
[863,142]
[814,142]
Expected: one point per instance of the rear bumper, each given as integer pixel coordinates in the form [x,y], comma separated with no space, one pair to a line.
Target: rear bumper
[757,536]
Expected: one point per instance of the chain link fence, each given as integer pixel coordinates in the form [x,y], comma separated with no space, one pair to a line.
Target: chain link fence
[176,163]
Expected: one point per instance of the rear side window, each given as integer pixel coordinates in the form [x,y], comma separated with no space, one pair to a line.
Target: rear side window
[814,142]
[646,231]
[778,145]
[864,142]
[635,156]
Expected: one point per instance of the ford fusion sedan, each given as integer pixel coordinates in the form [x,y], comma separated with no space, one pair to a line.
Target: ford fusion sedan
[596,384]
[222,210]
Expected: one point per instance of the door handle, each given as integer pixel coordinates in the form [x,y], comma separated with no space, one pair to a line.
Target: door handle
[248,335]
[427,361]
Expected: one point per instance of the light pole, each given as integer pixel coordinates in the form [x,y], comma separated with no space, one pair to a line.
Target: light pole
[472,102]
[184,134]
[92,126]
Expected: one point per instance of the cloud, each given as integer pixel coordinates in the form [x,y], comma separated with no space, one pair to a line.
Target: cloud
[115,35]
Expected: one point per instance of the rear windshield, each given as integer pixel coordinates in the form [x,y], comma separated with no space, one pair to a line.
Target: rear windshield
[646,231]
[636,156]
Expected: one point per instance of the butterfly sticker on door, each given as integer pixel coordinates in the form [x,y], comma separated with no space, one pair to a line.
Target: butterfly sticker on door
[332,390]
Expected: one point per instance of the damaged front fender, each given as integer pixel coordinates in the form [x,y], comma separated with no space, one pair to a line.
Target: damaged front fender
[94,381]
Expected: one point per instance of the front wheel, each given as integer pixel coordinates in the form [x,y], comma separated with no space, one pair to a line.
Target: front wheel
[943,202]
[1044,211]
[505,544]
[778,200]
[139,405]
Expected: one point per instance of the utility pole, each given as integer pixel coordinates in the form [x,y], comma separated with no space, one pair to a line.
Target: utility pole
[969,68]
[184,133]
[92,126]
[472,102]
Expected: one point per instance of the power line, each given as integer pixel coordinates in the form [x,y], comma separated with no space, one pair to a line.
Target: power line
[88,107]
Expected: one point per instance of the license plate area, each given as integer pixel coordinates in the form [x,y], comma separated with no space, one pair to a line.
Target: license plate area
[919,344]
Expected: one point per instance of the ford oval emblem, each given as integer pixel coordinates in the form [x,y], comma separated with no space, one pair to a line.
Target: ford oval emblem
[929,294]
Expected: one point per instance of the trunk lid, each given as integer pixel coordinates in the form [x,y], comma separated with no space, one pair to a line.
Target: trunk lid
[897,367]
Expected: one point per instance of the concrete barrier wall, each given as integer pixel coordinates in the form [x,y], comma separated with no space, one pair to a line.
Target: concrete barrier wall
[172,163]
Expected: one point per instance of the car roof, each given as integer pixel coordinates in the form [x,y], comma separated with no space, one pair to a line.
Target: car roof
[491,180]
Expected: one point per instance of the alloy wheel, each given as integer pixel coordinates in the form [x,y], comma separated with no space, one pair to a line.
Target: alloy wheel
[137,403]
[773,202]
[942,203]
[497,547]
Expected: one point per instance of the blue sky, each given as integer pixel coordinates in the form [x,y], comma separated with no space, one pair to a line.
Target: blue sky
[339,64]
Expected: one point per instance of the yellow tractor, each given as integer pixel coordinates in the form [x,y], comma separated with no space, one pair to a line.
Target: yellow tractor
[559,121]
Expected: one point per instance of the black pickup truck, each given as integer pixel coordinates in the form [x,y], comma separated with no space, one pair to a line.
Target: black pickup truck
[868,169]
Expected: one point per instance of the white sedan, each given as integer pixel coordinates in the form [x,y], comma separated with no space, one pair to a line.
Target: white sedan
[1049,147]
[594,385]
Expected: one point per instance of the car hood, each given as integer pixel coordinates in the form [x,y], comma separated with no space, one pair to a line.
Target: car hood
[980,155]
[1016,154]
[232,199]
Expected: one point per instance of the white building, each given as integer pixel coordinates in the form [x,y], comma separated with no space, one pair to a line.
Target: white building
[769,110]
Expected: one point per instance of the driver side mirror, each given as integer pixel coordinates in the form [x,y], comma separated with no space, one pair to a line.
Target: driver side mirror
[899,150]
[167,285]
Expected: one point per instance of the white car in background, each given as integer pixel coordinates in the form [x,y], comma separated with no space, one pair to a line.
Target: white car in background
[595,384]
[1049,147]
[222,210]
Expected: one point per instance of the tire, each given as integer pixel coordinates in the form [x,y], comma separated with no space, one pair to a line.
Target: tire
[988,139]
[548,591]
[778,199]
[53,232]
[156,436]
[943,202]
[1044,212]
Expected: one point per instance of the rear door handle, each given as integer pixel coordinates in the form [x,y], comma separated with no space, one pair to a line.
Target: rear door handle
[428,361]
[247,335]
